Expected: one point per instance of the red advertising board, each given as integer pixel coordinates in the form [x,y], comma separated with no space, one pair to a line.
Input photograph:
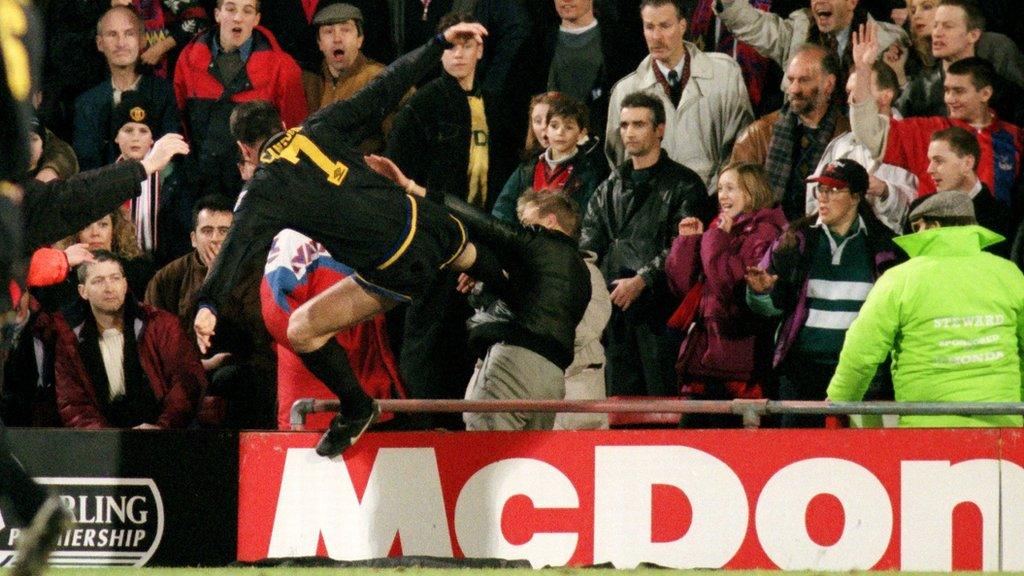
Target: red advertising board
[922,500]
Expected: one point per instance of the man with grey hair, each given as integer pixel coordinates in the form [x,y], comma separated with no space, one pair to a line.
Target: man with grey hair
[963,349]
[119,37]
[790,142]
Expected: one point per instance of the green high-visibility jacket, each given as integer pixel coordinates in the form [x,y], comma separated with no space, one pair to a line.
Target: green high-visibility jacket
[952,317]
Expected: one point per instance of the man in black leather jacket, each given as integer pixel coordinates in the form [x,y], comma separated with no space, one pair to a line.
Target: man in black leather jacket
[629,223]
[538,272]
[529,334]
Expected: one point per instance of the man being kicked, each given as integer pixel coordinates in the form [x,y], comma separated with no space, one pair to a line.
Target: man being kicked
[530,335]
[313,180]
[529,338]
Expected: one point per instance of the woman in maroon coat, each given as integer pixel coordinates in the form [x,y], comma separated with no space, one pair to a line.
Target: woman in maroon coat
[727,349]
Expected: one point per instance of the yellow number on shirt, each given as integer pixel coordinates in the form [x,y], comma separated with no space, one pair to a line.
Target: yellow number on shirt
[295,143]
[13,26]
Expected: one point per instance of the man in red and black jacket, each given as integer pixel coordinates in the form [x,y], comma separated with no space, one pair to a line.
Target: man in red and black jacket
[236,62]
[120,363]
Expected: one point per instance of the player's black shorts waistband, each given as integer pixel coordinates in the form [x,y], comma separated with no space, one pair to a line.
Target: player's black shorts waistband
[431,241]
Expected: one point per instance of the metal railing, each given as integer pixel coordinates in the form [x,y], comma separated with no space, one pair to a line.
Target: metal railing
[752,411]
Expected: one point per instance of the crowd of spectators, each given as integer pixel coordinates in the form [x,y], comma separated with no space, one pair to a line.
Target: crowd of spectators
[718,188]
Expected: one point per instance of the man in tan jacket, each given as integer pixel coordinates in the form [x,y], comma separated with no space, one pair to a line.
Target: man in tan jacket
[789,143]
[345,69]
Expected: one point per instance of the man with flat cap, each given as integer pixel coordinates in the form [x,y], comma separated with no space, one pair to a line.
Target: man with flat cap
[952,317]
[345,69]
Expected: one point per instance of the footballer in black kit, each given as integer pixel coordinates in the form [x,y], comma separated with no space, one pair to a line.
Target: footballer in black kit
[312,179]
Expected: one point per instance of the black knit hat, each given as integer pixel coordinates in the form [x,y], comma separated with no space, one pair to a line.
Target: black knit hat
[135,107]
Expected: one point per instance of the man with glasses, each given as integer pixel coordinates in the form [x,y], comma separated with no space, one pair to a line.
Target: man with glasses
[816,277]
[962,349]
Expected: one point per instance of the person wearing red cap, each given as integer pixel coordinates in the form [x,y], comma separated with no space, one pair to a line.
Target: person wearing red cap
[817,275]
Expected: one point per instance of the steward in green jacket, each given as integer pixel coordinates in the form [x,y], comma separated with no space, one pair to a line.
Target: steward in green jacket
[952,317]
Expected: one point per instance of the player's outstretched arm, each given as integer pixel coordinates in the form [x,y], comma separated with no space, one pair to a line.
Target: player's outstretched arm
[357,117]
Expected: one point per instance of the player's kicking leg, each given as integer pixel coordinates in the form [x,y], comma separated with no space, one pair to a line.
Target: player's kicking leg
[311,333]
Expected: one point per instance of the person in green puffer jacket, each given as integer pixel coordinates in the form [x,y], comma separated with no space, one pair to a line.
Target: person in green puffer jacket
[952,317]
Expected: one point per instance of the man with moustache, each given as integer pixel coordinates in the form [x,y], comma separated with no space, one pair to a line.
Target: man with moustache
[703,93]
[789,143]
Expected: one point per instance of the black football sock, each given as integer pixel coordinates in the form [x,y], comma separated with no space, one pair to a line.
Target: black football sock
[330,364]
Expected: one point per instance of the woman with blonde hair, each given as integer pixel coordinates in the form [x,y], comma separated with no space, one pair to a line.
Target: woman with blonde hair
[727,348]
[115,233]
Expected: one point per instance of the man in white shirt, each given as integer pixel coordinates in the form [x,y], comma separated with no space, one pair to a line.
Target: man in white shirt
[119,363]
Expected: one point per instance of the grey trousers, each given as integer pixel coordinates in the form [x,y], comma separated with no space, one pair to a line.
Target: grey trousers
[587,385]
[508,373]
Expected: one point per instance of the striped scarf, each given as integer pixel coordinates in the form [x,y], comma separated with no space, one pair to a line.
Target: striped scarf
[144,209]
[781,162]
